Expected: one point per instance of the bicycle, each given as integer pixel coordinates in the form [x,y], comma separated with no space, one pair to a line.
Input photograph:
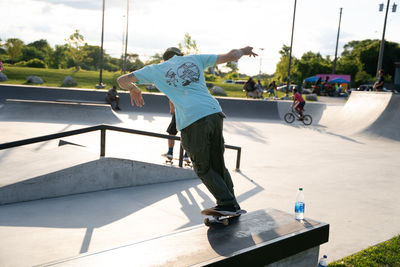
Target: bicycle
[293,114]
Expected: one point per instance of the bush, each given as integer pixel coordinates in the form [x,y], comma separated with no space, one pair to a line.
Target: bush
[36,63]
[210,77]
[20,64]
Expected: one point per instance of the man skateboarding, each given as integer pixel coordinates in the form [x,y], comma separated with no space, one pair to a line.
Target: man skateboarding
[199,116]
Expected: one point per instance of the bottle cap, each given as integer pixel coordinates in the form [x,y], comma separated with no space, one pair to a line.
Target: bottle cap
[325,256]
[301,189]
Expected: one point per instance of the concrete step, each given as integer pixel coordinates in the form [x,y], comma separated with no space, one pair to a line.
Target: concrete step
[69,169]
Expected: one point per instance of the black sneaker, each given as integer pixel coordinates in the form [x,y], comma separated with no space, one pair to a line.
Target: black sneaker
[225,210]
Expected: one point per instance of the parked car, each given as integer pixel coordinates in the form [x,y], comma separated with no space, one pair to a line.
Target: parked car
[365,87]
[235,81]
[229,81]
[240,82]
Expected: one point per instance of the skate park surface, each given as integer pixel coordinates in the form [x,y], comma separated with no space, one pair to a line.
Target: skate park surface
[346,161]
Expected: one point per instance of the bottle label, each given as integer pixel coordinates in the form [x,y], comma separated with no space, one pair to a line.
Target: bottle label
[299,207]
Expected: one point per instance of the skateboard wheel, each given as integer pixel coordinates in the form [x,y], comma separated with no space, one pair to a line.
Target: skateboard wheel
[225,222]
[207,221]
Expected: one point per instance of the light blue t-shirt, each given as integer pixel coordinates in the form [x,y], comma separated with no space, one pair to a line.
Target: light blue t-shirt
[181,79]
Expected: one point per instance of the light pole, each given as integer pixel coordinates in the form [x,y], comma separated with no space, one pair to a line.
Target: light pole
[259,73]
[290,52]
[381,49]
[101,85]
[337,43]
[126,37]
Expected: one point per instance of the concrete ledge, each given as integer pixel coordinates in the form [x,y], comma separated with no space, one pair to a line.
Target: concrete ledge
[266,237]
[101,174]
[53,111]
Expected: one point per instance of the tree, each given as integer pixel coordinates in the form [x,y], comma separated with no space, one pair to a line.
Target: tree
[133,62]
[233,66]
[58,58]
[364,54]
[44,48]
[14,49]
[188,46]
[281,71]
[154,59]
[313,63]
[30,52]
[75,44]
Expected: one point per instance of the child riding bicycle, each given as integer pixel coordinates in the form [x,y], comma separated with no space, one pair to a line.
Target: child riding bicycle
[298,103]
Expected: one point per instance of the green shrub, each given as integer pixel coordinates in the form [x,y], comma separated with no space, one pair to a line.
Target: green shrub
[210,77]
[20,64]
[36,63]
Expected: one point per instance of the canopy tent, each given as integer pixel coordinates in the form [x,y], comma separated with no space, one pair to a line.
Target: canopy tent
[311,79]
[338,80]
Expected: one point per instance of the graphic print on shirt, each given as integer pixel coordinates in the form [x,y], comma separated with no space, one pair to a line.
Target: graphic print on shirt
[171,77]
[189,73]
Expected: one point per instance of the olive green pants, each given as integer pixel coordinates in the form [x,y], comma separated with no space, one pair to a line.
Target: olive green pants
[204,142]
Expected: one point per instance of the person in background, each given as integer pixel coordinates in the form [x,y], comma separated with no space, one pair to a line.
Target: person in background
[171,130]
[378,85]
[250,88]
[112,96]
[272,88]
[298,103]
[259,89]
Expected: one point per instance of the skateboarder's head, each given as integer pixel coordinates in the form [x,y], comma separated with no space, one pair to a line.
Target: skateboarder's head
[170,52]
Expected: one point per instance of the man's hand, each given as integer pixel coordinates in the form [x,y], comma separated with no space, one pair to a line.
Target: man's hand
[136,96]
[127,82]
[235,55]
[248,51]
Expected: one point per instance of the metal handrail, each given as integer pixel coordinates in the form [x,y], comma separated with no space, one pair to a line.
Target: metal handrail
[102,128]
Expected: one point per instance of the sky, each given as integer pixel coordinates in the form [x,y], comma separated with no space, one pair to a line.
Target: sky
[217,25]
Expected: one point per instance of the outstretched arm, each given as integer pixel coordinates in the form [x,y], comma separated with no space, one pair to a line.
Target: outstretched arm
[235,55]
[127,82]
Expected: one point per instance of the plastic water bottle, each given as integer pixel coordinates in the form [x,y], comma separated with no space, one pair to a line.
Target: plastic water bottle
[323,262]
[299,206]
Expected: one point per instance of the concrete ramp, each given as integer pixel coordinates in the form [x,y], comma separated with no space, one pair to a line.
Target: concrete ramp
[266,237]
[374,113]
[57,112]
[388,123]
[94,175]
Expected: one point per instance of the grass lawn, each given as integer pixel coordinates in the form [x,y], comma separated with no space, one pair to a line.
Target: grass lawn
[89,79]
[55,77]
[385,254]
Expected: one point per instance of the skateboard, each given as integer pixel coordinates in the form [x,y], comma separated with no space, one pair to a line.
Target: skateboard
[186,163]
[215,217]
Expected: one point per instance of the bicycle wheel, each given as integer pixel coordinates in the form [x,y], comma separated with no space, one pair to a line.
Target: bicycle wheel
[307,120]
[289,117]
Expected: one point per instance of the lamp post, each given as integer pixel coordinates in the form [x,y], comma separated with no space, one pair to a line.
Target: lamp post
[126,37]
[259,73]
[337,43]
[382,46]
[101,85]
[290,52]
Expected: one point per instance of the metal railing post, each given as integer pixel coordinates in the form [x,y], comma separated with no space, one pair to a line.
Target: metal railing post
[239,152]
[180,156]
[102,142]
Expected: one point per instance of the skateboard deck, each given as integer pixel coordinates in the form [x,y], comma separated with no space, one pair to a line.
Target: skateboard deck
[186,163]
[215,217]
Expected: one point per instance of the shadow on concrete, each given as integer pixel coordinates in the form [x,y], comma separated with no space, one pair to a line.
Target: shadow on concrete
[245,130]
[240,234]
[257,189]
[94,210]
